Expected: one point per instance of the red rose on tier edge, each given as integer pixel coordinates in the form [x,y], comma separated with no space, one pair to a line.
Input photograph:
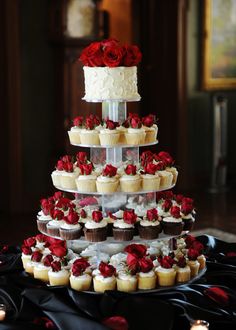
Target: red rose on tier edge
[106,270]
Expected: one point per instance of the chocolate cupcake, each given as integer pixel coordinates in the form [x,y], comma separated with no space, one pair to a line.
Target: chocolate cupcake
[71,228]
[173,224]
[187,212]
[42,221]
[53,227]
[149,227]
[95,230]
[123,229]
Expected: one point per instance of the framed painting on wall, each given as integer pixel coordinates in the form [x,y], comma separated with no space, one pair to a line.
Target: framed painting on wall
[219,45]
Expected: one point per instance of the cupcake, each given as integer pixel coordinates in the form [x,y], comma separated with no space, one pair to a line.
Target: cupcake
[150,179]
[166,274]
[26,257]
[146,275]
[187,215]
[183,272]
[193,262]
[110,219]
[80,280]
[105,278]
[122,129]
[86,181]
[166,177]
[109,135]
[108,182]
[41,242]
[54,225]
[71,228]
[44,216]
[95,230]
[202,261]
[74,133]
[57,173]
[173,224]
[169,162]
[36,258]
[150,128]
[69,175]
[123,229]
[149,227]
[135,133]
[41,269]
[126,282]
[163,207]
[58,275]
[89,135]
[130,181]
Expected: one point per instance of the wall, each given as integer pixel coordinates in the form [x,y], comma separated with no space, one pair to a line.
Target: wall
[200,110]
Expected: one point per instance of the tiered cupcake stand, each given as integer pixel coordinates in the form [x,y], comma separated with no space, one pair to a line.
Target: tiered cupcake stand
[116,110]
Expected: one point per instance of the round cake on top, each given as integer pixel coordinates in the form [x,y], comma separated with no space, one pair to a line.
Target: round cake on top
[110,71]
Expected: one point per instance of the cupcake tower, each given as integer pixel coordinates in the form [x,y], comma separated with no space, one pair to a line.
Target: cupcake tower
[119,194]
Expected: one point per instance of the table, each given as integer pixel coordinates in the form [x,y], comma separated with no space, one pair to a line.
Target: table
[31,304]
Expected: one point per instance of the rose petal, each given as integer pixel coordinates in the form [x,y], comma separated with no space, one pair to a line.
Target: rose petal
[218,295]
[116,323]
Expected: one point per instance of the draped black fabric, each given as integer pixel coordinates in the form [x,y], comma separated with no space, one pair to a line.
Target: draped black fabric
[28,299]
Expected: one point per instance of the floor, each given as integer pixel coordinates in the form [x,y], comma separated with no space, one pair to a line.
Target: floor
[217,211]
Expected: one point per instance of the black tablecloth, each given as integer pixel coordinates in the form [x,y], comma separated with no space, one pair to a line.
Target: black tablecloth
[33,305]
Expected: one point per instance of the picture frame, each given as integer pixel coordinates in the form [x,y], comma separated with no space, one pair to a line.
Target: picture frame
[218,45]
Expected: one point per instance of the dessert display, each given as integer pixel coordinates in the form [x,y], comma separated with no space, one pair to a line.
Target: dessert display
[114,223]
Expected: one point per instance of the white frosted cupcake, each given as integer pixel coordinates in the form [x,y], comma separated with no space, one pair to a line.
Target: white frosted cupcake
[150,179]
[193,262]
[90,135]
[165,272]
[108,182]
[44,216]
[26,256]
[126,282]
[80,280]
[86,181]
[109,135]
[130,181]
[183,272]
[150,128]
[36,258]
[41,269]
[74,133]
[122,129]
[57,173]
[69,175]
[105,278]
[58,275]
[166,179]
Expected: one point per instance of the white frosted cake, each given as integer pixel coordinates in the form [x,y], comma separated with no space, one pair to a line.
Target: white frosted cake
[104,83]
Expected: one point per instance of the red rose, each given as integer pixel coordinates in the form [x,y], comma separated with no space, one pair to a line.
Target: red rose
[181,262]
[86,169]
[189,239]
[193,254]
[97,216]
[152,215]
[36,256]
[169,194]
[165,157]
[166,262]
[135,122]
[175,212]
[68,167]
[83,214]
[109,170]
[132,55]
[63,203]
[116,323]
[148,120]
[106,270]
[26,250]
[66,159]
[167,205]
[196,245]
[179,198]
[89,124]
[81,157]
[218,295]
[57,214]
[72,217]
[30,242]
[57,195]
[187,200]
[146,265]
[231,254]
[126,123]
[60,165]
[110,124]
[78,121]
[58,250]
[92,55]
[131,169]
[160,166]
[88,201]
[44,323]
[43,202]
[133,263]
[47,260]
[109,42]
[150,168]
[146,157]
[79,266]
[55,241]
[113,56]
[56,266]
[95,119]
[186,208]
[138,250]
[130,217]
